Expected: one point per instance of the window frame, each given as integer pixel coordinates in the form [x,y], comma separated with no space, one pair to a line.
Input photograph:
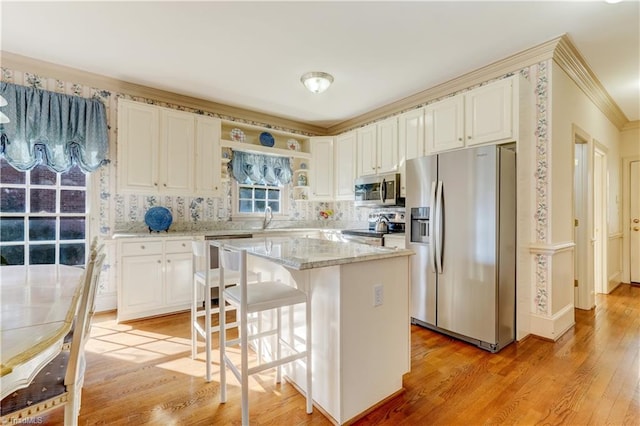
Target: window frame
[58,187]
[235,202]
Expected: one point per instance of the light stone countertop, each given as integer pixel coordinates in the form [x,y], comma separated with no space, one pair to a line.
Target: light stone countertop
[308,253]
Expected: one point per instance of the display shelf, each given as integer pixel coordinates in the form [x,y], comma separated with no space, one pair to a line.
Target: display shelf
[250,136]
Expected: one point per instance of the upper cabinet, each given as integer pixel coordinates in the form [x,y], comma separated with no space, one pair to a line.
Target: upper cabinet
[481,115]
[377,150]
[321,181]
[410,141]
[165,151]
[344,165]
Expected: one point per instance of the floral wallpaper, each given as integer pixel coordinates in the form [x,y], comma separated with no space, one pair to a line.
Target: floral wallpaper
[125,212]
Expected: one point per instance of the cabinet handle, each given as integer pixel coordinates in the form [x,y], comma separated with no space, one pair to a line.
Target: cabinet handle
[168,260]
[184,245]
[155,183]
[159,261]
[142,247]
[164,184]
[460,139]
[468,137]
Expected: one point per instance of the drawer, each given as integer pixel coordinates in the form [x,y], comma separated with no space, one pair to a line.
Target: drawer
[178,246]
[141,248]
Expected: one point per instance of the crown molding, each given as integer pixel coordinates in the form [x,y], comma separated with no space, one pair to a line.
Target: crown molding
[494,70]
[631,125]
[23,63]
[571,61]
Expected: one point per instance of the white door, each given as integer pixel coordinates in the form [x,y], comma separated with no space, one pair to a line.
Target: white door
[634,215]
[581,237]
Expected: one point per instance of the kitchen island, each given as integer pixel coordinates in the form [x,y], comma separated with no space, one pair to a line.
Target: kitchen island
[360,316]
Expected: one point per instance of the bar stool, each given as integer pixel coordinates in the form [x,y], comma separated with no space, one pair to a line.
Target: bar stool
[252,299]
[205,279]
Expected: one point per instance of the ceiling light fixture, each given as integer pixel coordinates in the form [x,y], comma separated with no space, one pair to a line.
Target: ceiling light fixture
[316,81]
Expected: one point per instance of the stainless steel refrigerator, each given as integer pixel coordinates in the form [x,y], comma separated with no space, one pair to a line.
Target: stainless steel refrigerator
[463,230]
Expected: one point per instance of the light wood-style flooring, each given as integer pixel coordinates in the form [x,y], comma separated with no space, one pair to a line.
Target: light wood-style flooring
[141,373]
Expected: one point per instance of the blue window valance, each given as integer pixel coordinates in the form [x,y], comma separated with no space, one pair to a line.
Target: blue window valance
[53,129]
[260,169]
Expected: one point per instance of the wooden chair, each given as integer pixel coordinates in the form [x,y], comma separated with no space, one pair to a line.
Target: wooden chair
[206,278]
[255,299]
[60,382]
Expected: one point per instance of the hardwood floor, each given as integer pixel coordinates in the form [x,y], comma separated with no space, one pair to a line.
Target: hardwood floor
[141,373]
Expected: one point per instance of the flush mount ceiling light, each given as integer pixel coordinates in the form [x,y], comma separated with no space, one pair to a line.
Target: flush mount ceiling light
[316,81]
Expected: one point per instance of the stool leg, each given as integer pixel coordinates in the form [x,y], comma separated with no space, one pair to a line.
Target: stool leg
[278,344]
[194,318]
[222,319]
[244,343]
[207,327]
[308,344]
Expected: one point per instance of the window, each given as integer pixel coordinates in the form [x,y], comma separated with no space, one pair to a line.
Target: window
[43,216]
[254,198]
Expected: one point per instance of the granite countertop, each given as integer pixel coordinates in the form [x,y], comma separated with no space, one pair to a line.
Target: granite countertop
[308,253]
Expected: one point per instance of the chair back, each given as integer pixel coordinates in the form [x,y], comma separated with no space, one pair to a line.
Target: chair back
[75,369]
[236,261]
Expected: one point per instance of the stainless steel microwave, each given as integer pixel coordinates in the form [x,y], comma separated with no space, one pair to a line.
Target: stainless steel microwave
[378,191]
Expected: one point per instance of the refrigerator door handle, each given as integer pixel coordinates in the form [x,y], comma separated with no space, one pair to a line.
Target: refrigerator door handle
[439,228]
[432,208]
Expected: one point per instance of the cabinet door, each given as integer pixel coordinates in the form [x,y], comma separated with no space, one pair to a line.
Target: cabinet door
[178,143]
[138,151]
[321,168]
[387,146]
[444,125]
[366,156]
[345,165]
[410,142]
[207,159]
[488,113]
[411,134]
[178,279]
[141,286]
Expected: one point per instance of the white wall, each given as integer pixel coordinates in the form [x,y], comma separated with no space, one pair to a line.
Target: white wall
[571,107]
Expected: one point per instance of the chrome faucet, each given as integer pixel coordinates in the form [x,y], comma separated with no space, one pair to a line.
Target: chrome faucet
[268,217]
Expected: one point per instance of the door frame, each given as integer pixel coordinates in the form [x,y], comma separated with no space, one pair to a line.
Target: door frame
[603,186]
[626,217]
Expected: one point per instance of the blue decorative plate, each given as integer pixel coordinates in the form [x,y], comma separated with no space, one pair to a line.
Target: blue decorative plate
[267,139]
[158,219]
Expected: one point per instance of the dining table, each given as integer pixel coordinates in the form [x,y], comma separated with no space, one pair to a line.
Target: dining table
[38,304]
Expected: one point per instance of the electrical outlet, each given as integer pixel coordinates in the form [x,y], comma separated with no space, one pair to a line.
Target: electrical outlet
[378,295]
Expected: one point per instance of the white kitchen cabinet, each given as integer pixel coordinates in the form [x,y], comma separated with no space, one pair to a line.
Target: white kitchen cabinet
[378,148]
[394,241]
[482,115]
[207,158]
[155,149]
[444,124]
[321,172]
[177,148]
[344,165]
[138,153]
[410,141]
[488,113]
[154,277]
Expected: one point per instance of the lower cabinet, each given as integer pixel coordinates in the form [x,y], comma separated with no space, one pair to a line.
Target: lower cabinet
[154,277]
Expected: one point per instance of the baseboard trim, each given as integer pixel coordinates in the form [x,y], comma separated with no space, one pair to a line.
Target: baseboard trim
[553,327]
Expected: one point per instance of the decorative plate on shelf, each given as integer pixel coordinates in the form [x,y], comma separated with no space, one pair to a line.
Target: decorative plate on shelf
[293,145]
[158,219]
[267,139]
[237,135]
